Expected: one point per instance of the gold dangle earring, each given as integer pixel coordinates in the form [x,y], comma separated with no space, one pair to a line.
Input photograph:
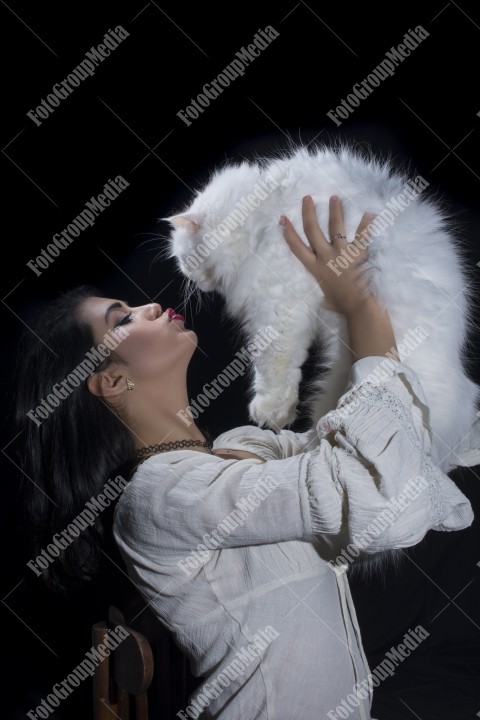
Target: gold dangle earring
[130,384]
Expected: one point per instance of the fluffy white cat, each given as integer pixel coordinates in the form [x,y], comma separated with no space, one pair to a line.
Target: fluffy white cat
[229,240]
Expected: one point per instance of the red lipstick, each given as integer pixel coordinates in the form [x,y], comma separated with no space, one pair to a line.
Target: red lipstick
[172,315]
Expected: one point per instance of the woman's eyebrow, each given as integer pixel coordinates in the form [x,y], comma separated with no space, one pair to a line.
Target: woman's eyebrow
[114,306]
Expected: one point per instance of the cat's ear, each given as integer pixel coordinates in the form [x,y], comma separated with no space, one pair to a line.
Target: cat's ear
[189,220]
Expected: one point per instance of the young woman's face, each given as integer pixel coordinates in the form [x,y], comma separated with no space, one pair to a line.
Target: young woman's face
[155,347]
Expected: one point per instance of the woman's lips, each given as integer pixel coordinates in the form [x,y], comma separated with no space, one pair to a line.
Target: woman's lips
[172,315]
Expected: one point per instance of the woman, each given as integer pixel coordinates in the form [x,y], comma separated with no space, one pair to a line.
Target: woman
[239,545]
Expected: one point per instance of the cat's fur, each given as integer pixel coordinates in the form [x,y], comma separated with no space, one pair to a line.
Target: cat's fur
[416,268]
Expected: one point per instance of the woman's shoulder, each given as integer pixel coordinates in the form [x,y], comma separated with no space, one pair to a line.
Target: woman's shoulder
[157,477]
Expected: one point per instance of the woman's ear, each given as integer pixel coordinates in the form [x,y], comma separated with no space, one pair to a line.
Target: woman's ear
[107,384]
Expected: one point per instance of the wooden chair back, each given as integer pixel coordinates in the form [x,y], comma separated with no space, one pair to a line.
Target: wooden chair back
[122,679]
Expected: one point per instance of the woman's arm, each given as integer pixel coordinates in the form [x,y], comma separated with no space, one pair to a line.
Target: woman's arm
[372,369]
[369,330]
[334,493]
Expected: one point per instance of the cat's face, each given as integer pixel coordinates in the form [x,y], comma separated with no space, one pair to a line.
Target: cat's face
[208,240]
[195,259]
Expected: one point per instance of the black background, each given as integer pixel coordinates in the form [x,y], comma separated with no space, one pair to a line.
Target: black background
[123,121]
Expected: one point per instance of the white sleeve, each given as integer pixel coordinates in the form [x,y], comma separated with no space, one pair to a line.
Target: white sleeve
[375,369]
[369,480]
[393,493]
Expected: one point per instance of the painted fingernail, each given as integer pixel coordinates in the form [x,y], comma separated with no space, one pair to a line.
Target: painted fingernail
[334,198]
[282,219]
[306,199]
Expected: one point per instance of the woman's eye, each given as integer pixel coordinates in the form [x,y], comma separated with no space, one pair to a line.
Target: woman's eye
[125,320]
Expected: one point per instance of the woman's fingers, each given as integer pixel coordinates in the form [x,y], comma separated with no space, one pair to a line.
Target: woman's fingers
[361,239]
[315,236]
[341,290]
[363,229]
[312,229]
[296,243]
[335,219]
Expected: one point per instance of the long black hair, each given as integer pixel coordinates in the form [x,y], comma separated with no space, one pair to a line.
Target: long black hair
[68,456]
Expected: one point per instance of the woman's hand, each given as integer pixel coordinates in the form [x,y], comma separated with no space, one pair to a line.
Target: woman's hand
[344,289]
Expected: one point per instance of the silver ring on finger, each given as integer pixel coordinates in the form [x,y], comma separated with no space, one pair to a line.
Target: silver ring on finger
[339,235]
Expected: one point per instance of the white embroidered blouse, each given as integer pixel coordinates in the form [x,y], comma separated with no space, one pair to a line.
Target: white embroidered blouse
[243,560]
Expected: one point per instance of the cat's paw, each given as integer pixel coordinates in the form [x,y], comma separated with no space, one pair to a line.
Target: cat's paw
[265,411]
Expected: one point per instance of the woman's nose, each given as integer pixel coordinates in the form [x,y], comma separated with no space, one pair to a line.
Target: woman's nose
[157,309]
[153,310]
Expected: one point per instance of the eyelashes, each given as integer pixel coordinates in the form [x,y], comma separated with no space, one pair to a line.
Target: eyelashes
[125,320]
